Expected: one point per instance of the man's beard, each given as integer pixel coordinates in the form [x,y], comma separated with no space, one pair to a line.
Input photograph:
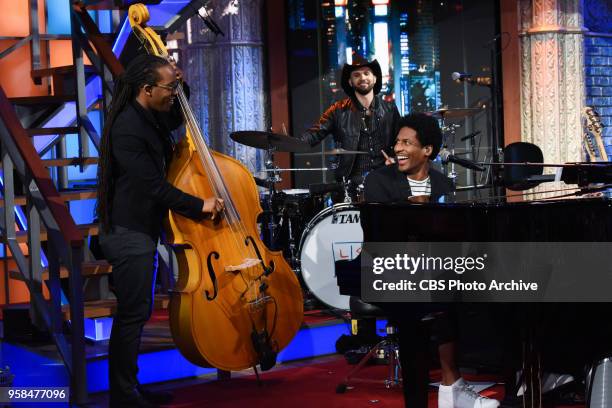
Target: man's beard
[364,91]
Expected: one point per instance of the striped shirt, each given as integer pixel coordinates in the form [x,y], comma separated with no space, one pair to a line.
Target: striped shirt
[420,187]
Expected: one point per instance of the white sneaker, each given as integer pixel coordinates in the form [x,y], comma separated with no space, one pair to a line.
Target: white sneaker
[462,395]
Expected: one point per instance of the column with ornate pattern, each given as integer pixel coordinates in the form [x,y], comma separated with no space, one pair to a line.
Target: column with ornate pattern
[552,76]
[226,76]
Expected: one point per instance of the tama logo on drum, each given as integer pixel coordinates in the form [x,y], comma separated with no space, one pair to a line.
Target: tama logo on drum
[346,218]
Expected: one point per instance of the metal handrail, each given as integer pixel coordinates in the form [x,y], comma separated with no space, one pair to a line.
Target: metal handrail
[44,204]
[33,38]
[21,41]
[96,38]
[105,62]
[65,244]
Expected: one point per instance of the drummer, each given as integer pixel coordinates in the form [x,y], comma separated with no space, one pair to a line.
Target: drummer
[363,121]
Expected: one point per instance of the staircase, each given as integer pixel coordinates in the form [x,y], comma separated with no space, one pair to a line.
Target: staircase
[31,121]
[46,211]
[45,247]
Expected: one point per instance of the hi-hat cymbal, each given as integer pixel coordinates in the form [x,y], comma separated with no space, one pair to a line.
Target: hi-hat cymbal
[453,113]
[335,151]
[268,140]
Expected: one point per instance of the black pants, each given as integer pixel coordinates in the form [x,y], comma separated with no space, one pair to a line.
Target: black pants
[415,360]
[415,336]
[133,257]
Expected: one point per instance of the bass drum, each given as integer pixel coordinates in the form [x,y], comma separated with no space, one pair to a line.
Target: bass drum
[334,234]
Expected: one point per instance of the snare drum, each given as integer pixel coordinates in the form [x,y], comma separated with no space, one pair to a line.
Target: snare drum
[333,234]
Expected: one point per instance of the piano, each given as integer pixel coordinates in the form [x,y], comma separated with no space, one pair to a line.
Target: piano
[528,325]
[576,220]
[542,221]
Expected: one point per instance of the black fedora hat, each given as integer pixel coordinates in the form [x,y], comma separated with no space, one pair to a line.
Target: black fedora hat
[360,62]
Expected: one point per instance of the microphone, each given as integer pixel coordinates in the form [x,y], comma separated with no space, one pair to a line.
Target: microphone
[446,157]
[460,76]
[204,14]
[470,79]
[470,136]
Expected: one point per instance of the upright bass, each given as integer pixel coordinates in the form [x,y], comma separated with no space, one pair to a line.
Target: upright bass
[236,303]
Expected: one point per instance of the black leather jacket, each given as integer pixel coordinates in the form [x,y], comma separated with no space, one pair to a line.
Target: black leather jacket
[343,120]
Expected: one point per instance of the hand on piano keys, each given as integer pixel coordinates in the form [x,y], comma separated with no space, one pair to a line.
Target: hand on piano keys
[418,199]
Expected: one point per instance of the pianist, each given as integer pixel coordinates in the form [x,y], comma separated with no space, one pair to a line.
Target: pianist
[411,174]
[410,177]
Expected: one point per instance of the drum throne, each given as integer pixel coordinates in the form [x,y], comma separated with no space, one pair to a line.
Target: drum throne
[389,345]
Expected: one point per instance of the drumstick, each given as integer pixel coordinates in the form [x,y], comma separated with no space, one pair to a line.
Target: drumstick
[392,159]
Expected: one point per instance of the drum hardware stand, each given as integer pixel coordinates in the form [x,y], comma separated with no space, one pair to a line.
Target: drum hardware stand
[310,303]
[292,248]
[474,155]
[450,129]
[272,177]
[361,191]
[345,186]
[340,314]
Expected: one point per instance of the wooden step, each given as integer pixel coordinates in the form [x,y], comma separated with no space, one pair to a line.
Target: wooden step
[42,100]
[66,196]
[94,308]
[64,70]
[96,268]
[104,308]
[78,195]
[89,269]
[72,161]
[86,230]
[52,130]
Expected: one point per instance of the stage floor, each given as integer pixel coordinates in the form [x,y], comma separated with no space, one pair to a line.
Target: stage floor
[305,378]
[307,383]
[37,363]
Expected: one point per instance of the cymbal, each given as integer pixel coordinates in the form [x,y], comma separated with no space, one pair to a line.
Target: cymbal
[267,140]
[335,151]
[262,182]
[453,113]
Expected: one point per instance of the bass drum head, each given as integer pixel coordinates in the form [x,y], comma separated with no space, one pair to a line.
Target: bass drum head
[334,234]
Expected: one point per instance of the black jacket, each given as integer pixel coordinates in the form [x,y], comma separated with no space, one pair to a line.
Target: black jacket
[141,145]
[343,120]
[389,185]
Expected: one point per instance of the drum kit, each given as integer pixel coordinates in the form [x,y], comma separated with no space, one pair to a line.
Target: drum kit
[313,227]
[305,224]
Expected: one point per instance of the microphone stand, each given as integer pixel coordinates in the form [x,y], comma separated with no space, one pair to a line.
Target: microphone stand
[451,130]
[578,173]
[496,121]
